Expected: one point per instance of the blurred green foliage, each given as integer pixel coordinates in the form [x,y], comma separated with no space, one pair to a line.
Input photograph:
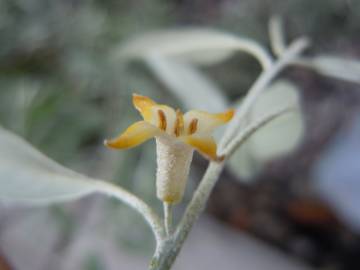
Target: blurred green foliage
[93,262]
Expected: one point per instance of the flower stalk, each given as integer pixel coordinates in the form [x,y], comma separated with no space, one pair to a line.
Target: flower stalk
[168,217]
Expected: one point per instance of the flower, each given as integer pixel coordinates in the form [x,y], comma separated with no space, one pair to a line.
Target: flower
[177,136]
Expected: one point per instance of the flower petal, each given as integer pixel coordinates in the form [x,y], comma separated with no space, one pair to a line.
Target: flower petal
[165,114]
[204,145]
[143,105]
[135,134]
[159,115]
[205,122]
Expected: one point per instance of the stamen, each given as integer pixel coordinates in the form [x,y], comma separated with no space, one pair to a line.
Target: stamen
[162,120]
[179,123]
[193,126]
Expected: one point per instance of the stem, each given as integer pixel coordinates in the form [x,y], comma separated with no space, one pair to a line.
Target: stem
[140,206]
[277,37]
[168,207]
[260,85]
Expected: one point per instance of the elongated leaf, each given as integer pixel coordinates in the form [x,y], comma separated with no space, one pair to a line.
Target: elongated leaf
[28,176]
[196,45]
[283,134]
[188,84]
[340,68]
[243,165]
[277,138]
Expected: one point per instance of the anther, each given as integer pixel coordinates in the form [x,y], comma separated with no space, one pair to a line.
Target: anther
[162,120]
[179,123]
[193,126]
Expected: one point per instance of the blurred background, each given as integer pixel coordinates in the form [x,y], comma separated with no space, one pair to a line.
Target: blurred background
[61,89]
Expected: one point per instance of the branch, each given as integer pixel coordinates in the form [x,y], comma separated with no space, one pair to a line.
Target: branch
[260,85]
[277,37]
[140,206]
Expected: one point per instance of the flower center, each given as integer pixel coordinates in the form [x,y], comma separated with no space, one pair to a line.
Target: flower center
[175,125]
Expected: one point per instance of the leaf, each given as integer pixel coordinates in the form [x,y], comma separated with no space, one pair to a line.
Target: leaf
[195,45]
[283,134]
[277,138]
[242,163]
[337,67]
[28,176]
[188,84]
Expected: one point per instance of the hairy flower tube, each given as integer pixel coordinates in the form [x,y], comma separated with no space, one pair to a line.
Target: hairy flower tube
[177,136]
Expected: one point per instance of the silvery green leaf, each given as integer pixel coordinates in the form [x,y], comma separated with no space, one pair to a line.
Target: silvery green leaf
[337,67]
[27,176]
[188,84]
[283,134]
[195,45]
[276,138]
[242,163]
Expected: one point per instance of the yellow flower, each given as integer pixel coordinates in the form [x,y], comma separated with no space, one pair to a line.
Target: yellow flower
[177,135]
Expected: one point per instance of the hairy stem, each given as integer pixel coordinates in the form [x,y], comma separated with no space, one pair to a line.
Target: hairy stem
[168,218]
[277,37]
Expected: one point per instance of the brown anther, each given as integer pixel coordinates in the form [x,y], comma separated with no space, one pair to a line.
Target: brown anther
[179,123]
[193,126]
[162,120]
